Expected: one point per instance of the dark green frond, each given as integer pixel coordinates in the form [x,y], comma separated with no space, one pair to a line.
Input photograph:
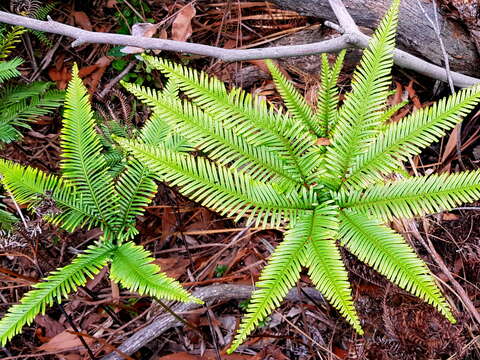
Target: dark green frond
[136,189]
[389,254]
[8,69]
[132,267]
[55,287]
[414,196]
[83,164]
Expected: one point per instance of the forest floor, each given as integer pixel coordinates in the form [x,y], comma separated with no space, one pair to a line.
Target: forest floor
[200,248]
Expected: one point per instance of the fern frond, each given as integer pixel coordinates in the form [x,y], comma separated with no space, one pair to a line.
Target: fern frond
[389,254]
[132,267]
[325,265]
[83,164]
[29,186]
[8,69]
[277,277]
[295,103]
[55,287]
[7,219]
[328,95]
[221,188]
[359,117]
[251,118]
[136,189]
[414,196]
[9,40]
[210,136]
[409,136]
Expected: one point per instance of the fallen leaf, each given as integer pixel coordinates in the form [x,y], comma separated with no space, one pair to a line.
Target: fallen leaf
[50,326]
[182,25]
[111,3]
[64,341]
[450,217]
[323,141]
[140,30]
[81,19]
[173,266]
[451,145]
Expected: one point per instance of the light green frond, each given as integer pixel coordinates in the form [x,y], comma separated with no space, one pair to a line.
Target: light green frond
[30,186]
[83,164]
[8,69]
[325,265]
[55,287]
[221,188]
[132,267]
[328,96]
[277,277]
[9,40]
[251,117]
[136,189]
[414,196]
[295,103]
[389,254]
[210,136]
[410,135]
[359,117]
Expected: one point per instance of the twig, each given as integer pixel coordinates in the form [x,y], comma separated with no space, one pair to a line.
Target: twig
[116,79]
[351,38]
[208,294]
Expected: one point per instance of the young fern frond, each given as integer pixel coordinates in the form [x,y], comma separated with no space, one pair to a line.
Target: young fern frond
[83,164]
[132,267]
[55,287]
[389,254]
[328,96]
[359,117]
[414,196]
[409,136]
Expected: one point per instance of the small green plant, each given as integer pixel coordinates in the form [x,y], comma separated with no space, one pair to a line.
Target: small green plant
[324,174]
[87,196]
[7,219]
[21,104]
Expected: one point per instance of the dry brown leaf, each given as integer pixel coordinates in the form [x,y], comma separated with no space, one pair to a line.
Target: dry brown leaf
[111,3]
[64,341]
[182,25]
[173,266]
[450,217]
[140,30]
[208,355]
[50,327]
[323,141]
[81,19]
[451,145]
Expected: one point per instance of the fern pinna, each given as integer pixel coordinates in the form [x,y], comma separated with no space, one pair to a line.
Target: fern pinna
[270,166]
[88,196]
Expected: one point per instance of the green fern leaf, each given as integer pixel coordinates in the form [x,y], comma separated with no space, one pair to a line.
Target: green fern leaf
[8,69]
[389,254]
[55,287]
[132,267]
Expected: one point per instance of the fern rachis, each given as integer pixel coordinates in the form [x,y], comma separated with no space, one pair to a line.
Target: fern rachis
[338,196]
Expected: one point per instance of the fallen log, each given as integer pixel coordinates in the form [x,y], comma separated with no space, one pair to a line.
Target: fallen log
[415,33]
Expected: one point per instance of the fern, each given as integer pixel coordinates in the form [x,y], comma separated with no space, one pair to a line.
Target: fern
[9,39]
[253,161]
[87,196]
[21,104]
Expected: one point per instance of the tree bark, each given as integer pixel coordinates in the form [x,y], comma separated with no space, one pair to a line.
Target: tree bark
[415,33]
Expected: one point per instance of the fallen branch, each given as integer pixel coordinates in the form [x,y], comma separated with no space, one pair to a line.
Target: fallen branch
[351,37]
[208,294]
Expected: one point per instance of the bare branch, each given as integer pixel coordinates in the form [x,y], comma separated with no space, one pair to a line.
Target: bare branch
[351,38]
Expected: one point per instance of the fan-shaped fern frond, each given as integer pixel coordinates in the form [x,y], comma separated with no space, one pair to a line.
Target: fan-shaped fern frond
[132,267]
[8,69]
[358,118]
[414,196]
[328,96]
[389,254]
[83,164]
[220,188]
[55,287]
[410,135]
